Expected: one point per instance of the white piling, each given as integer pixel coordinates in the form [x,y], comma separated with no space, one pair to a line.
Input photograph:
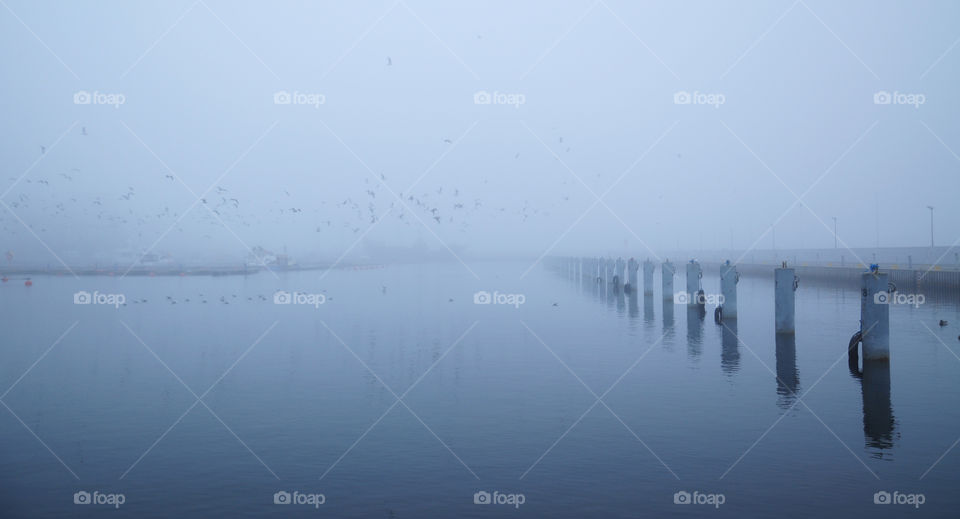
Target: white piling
[618,267]
[729,277]
[667,270]
[875,314]
[648,268]
[785,286]
[694,274]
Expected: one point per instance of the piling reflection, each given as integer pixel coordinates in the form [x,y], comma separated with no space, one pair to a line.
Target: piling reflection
[633,306]
[667,314]
[788,377]
[878,420]
[648,309]
[730,348]
[695,314]
[621,299]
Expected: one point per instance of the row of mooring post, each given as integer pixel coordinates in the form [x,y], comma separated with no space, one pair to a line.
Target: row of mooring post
[873,336]
[623,275]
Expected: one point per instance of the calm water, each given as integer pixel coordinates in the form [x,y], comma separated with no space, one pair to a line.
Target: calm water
[495,397]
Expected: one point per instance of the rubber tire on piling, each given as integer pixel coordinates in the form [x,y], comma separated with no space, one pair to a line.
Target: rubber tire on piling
[854,342]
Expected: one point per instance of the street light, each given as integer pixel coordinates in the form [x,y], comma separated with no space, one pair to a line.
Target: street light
[834,231]
[930,207]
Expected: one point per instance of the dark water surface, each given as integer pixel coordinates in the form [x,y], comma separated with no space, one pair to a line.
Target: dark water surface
[493,397]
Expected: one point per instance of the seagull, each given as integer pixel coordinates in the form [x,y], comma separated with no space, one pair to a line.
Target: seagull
[448,141]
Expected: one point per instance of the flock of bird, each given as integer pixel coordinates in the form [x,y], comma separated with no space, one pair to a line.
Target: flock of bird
[74,198]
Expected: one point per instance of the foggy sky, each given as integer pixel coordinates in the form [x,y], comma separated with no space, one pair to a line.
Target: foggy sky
[599,118]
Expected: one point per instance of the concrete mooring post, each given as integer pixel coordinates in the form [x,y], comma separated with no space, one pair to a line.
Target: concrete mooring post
[785,287]
[875,297]
[632,275]
[648,277]
[618,273]
[666,279]
[694,274]
[729,277]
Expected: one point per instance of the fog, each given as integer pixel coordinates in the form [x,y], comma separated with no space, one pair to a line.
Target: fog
[215,131]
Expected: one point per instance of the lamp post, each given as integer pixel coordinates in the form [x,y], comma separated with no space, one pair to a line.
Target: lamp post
[930,207]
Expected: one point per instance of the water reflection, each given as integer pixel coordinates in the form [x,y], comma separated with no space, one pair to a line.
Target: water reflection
[695,314]
[634,307]
[878,421]
[648,309]
[730,351]
[621,303]
[667,313]
[668,322]
[788,377]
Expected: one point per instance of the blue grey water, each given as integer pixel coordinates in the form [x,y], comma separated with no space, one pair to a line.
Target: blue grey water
[504,399]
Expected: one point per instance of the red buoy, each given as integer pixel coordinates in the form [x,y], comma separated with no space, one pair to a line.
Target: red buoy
[28,283]
[4,279]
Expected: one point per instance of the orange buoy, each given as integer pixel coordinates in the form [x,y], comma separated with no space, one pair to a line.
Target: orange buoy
[4,279]
[28,283]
